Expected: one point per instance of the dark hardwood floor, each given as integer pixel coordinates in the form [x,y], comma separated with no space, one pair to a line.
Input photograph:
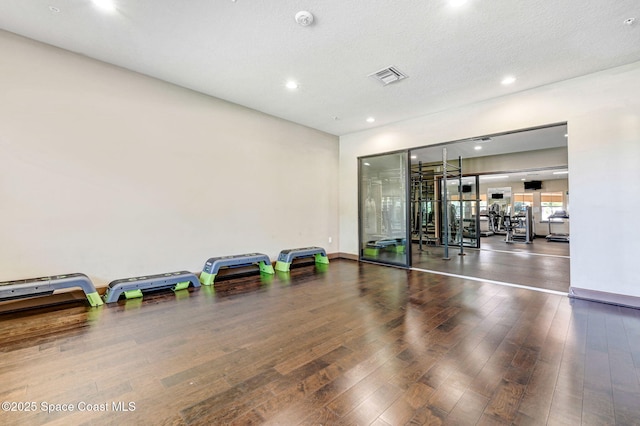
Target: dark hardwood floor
[542,264]
[539,246]
[357,344]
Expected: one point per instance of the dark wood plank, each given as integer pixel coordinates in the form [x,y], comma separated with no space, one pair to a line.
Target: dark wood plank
[468,410]
[511,263]
[357,344]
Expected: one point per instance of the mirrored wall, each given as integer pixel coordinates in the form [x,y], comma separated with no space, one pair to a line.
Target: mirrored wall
[463,208]
[486,193]
[383,208]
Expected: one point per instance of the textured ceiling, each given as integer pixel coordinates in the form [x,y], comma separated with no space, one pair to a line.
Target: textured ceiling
[244,51]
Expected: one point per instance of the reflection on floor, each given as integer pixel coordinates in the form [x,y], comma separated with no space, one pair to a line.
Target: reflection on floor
[538,246]
[354,344]
[387,257]
[541,264]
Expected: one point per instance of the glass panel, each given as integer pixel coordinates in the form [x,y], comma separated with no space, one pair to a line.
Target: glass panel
[499,207]
[463,208]
[383,209]
[424,204]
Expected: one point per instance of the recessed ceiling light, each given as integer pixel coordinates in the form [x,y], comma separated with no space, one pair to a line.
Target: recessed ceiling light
[566,135]
[629,21]
[367,164]
[106,5]
[292,85]
[370,120]
[523,179]
[477,147]
[54,9]
[508,80]
[413,157]
[561,173]
[457,3]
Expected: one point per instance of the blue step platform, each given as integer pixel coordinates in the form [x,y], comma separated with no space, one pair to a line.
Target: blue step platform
[45,286]
[133,287]
[213,265]
[286,257]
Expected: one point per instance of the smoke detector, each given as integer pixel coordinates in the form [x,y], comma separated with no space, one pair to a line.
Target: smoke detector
[304,18]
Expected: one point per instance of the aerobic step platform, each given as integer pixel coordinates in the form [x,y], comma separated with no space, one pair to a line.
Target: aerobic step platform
[285,258]
[133,287]
[45,286]
[213,265]
[396,245]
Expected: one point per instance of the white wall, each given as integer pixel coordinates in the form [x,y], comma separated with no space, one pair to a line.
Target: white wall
[603,115]
[114,174]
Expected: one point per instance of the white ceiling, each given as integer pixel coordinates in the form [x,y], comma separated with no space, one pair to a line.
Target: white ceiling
[244,51]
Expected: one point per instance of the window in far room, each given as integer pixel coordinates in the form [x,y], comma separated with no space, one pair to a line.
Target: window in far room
[550,202]
[521,201]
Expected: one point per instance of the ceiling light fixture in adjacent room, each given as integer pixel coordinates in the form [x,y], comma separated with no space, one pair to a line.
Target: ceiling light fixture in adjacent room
[370,120]
[54,9]
[477,147]
[482,140]
[291,85]
[629,21]
[561,173]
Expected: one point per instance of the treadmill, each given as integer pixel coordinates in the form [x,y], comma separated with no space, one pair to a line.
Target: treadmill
[555,236]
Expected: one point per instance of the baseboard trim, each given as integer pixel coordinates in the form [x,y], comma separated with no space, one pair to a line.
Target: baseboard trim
[347,256]
[605,297]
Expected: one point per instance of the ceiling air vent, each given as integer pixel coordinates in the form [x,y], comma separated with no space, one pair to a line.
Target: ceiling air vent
[388,75]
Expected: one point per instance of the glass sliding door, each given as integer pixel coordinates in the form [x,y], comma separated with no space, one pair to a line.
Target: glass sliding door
[383,208]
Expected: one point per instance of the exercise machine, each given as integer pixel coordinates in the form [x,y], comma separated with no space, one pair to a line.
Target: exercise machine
[519,228]
[486,224]
[556,236]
